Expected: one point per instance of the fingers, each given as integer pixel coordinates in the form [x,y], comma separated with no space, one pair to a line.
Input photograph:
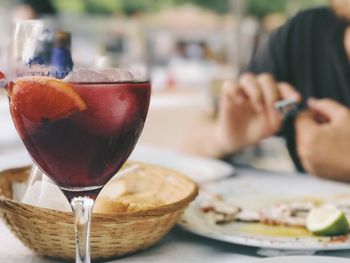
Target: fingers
[306,121]
[231,92]
[231,96]
[253,96]
[288,92]
[269,89]
[251,88]
[271,95]
[328,108]
[307,129]
[263,90]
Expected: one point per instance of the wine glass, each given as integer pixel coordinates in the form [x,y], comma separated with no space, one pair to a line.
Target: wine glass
[79,131]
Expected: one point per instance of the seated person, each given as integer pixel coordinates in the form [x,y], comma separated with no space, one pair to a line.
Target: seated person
[306,59]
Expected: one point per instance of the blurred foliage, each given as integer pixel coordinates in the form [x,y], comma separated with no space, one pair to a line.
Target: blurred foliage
[130,7]
[76,6]
[102,6]
[220,6]
[263,7]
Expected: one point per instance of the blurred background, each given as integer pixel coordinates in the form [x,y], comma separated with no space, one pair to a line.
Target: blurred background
[189,46]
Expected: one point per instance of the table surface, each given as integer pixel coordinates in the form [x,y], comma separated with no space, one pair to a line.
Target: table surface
[177,246]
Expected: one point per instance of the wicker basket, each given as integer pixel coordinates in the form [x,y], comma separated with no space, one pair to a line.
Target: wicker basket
[51,233]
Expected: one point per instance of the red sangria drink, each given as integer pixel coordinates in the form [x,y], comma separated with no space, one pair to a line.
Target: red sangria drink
[80,130]
[79,134]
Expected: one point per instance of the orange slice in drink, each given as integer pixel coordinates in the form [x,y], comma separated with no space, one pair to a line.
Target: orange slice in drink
[44,99]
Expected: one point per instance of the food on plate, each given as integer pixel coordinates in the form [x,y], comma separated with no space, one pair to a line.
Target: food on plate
[249,216]
[220,212]
[292,214]
[327,220]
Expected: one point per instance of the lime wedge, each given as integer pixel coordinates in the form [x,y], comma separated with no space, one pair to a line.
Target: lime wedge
[327,220]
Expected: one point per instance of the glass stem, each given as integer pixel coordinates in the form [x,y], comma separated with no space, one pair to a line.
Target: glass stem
[82,211]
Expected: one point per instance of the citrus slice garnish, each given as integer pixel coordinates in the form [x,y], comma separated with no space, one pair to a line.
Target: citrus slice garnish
[45,99]
[327,220]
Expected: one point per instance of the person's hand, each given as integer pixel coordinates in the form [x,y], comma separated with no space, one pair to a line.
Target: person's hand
[246,111]
[323,139]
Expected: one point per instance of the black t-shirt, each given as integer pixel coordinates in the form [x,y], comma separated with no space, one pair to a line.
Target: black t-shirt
[309,53]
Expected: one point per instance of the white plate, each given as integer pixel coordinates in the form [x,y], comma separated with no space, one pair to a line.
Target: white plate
[303,259]
[197,168]
[257,190]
